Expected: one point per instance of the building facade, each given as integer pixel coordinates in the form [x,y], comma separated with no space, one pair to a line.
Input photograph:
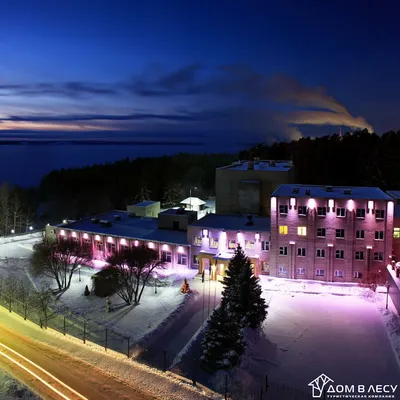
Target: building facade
[245,187]
[330,233]
[214,238]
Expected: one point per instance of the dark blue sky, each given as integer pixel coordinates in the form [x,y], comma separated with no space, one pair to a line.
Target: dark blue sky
[228,69]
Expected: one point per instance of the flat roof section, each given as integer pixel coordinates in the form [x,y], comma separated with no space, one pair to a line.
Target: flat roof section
[261,165]
[124,224]
[233,222]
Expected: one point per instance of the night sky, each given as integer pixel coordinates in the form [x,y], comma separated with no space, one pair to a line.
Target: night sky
[240,70]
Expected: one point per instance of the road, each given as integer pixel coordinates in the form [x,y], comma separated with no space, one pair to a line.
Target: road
[55,376]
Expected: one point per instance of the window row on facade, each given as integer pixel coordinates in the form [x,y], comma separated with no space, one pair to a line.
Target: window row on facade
[214,243]
[319,272]
[339,254]
[339,233]
[341,212]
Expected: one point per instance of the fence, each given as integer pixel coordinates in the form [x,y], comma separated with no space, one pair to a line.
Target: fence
[156,357]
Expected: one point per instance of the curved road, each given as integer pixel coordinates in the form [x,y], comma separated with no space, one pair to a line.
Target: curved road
[68,373]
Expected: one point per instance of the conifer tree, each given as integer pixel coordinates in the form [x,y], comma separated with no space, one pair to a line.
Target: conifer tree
[253,305]
[242,292]
[223,342]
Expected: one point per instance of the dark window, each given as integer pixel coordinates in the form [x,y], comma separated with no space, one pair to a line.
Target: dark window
[283,209]
[360,213]
[166,256]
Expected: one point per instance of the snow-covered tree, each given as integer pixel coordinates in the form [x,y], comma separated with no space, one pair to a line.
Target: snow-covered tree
[223,342]
[172,195]
[242,292]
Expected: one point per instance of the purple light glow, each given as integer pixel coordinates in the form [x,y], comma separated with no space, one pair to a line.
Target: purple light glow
[350,205]
[311,204]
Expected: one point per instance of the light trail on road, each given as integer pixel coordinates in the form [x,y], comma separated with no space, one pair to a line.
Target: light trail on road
[49,381]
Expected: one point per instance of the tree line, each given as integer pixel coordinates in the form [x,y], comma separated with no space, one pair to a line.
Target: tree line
[356,159]
[16,210]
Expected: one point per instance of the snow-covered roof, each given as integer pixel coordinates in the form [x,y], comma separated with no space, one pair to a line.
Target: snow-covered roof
[261,165]
[194,201]
[394,193]
[233,222]
[332,192]
[145,203]
[124,224]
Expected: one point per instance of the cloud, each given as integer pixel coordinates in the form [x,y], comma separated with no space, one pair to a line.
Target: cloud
[226,97]
[67,89]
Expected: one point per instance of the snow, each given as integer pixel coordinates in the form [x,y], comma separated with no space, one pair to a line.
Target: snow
[11,389]
[161,385]
[132,321]
[23,237]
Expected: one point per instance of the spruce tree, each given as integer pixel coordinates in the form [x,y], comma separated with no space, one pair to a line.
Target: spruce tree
[223,342]
[231,298]
[242,292]
[253,306]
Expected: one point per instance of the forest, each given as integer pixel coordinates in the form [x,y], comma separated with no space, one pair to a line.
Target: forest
[357,158]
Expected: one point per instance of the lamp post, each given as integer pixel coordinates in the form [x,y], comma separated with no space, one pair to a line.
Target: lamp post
[387,285]
[79,273]
[155,283]
[190,197]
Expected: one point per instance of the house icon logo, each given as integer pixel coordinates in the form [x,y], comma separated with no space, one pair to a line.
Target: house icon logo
[318,385]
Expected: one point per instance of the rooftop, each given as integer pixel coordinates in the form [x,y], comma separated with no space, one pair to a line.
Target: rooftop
[261,165]
[145,203]
[194,201]
[332,192]
[124,224]
[394,193]
[178,211]
[233,222]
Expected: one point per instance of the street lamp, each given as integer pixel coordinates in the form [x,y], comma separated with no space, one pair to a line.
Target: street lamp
[79,272]
[387,285]
[190,196]
[155,282]
[12,231]
[31,228]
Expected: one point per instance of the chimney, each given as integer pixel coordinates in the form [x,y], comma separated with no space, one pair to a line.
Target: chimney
[250,164]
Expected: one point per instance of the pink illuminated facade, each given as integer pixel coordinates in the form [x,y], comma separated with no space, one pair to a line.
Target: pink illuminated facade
[123,231]
[330,233]
[214,238]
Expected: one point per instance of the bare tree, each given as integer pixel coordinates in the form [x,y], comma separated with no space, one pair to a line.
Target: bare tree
[42,300]
[9,288]
[60,260]
[5,208]
[133,268]
[27,219]
[16,210]
[373,278]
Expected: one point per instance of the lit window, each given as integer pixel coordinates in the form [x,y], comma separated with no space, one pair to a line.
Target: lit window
[232,244]
[283,229]
[249,245]
[302,231]
[213,243]
[396,233]
[197,240]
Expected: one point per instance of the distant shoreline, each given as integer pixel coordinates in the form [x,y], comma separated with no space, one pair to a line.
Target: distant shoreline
[93,142]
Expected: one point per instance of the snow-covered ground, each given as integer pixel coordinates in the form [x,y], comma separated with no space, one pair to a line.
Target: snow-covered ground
[11,389]
[21,237]
[130,321]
